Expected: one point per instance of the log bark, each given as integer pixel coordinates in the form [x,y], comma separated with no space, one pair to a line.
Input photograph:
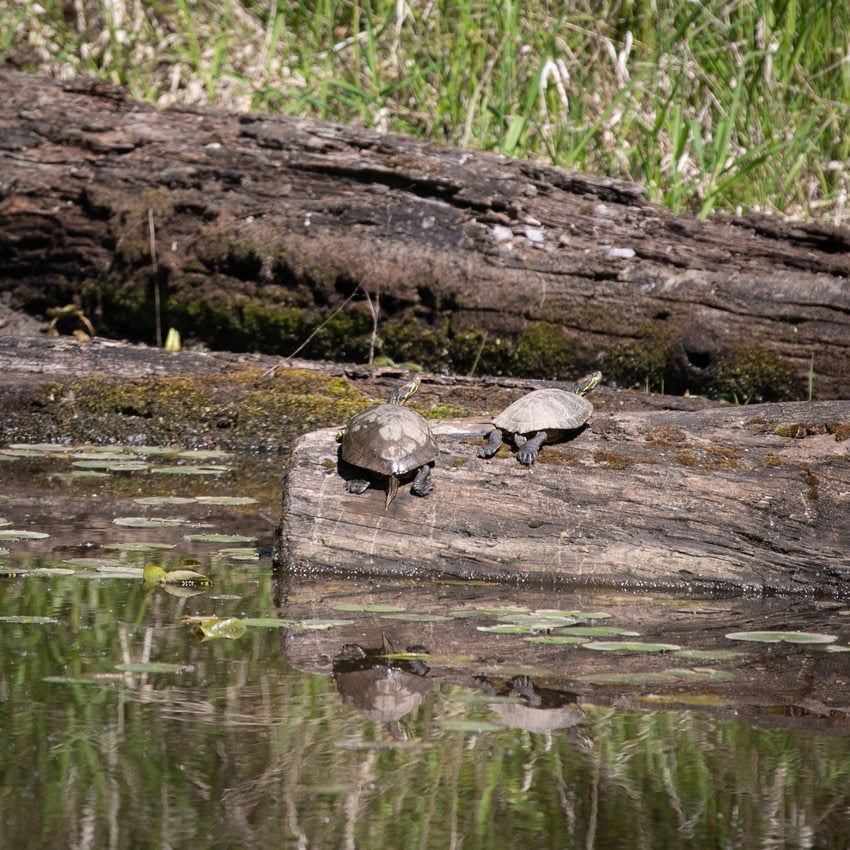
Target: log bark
[247,230]
[744,499]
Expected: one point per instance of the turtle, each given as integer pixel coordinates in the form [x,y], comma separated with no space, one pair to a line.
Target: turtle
[541,417]
[389,440]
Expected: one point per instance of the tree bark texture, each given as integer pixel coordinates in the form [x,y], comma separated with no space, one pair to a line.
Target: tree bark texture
[738,498]
[233,228]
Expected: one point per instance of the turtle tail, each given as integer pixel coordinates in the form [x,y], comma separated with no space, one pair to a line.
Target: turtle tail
[392,489]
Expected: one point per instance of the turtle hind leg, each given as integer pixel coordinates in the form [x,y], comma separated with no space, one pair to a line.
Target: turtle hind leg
[422,484]
[392,489]
[493,444]
[528,453]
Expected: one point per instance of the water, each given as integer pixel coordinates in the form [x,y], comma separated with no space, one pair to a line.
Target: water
[377,714]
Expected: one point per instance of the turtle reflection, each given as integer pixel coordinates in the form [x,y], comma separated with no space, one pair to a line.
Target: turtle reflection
[385,689]
[535,709]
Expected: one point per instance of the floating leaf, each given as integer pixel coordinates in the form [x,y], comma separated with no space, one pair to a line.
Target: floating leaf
[51,571]
[598,631]
[505,629]
[204,454]
[18,534]
[78,474]
[137,546]
[185,578]
[214,628]
[630,646]
[147,522]
[225,500]
[777,637]
[39,621]
[245,553]
[418,618]
[267,623]
[217,538]
[541,620]
[710,654]
[556,639]
[165,500]
[321,624]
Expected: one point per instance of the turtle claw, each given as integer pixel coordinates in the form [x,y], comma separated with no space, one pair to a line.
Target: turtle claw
[422,484]
[527,453]
[493,444]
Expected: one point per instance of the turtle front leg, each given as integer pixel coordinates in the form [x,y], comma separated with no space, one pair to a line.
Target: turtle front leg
[493,444]
[422,484]
[528,453]
[358,485]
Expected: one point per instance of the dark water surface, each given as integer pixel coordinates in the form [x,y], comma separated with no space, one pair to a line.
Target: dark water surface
[367,714]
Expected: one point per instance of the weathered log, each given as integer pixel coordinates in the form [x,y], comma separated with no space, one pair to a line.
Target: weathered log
[746,499]
[248,230]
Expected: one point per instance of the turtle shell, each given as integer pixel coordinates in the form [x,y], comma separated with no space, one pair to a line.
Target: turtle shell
[388,439]
[545,410]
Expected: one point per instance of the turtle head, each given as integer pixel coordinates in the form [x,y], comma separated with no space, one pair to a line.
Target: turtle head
[404,392]
[587,383]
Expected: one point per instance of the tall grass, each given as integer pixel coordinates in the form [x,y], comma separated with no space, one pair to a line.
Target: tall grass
[713,105]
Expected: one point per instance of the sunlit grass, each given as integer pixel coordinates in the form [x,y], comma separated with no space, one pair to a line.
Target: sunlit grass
[712,106]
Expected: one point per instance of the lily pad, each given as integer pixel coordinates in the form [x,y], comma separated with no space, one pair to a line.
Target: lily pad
[563,640]
[164,500]
[787,637]
[19,534]
[189,469]
[409,617]
[147,522]
[215,628]
[598,631]
[321,624]
[267,623]
[185,578]
[630,646]
[217,538]
[225,500]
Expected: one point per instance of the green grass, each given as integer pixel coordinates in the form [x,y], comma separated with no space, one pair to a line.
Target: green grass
[718,105]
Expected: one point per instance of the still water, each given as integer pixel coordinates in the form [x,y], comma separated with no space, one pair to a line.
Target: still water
[358,714]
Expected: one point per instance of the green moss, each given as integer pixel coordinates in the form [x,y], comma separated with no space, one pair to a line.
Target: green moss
[544,350]
[751,373]
[647,361]
[242,410]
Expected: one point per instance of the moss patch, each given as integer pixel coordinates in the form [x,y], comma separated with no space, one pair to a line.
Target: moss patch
[241,410]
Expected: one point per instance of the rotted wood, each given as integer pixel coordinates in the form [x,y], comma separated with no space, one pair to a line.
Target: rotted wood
[744,499]
[248,212]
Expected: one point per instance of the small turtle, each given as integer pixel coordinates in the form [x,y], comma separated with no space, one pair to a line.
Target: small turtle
[390,440]
[541,417]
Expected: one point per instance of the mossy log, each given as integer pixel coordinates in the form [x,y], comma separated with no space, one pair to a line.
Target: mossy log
[249,232]
[742,499]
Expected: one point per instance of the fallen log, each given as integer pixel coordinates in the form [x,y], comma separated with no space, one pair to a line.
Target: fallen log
[251,232]
[745,499]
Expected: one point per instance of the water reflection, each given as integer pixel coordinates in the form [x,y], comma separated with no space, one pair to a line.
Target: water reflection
[391,715]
